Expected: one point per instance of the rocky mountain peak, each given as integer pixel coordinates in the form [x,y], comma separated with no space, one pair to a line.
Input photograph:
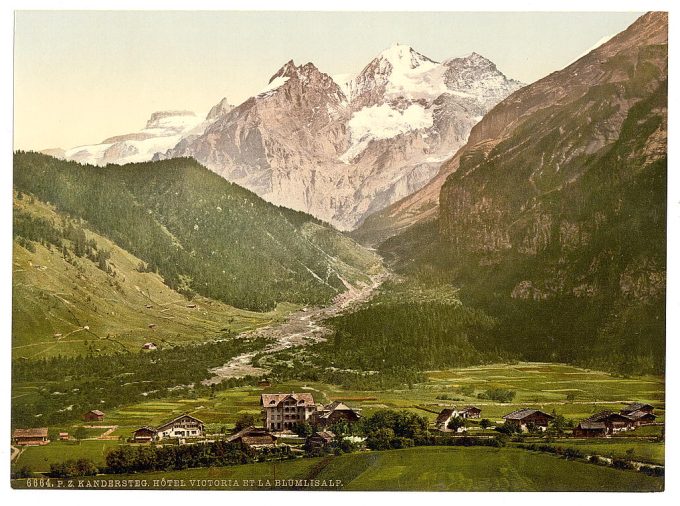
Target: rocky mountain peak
[219,110]
[158,118]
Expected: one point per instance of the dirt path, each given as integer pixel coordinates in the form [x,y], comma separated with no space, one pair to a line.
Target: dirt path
[15,453]
[301,328]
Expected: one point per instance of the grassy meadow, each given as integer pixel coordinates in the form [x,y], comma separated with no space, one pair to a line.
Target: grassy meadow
[424,468]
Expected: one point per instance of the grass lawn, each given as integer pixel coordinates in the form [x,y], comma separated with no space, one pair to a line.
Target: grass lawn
[39,458]
[644,451]
[430,468]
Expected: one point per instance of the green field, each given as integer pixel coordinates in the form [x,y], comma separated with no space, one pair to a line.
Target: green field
[429,468]
[39,458]
[643,451]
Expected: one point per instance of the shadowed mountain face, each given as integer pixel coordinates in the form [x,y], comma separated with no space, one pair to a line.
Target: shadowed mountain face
[341,151]
[553,215]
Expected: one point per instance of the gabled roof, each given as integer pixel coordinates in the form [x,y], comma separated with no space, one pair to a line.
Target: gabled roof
[471,408]
[607,415]
[331,408]
[586,425]
[146,427]
[95,412]
[635,406]
[444,415]
[326,435]
[160,427]
[273,400]
[639,415]
[37,432]
[259,440]
[521,414]
[250,431]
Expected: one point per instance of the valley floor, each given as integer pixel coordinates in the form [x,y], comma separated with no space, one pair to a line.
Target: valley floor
[413,469]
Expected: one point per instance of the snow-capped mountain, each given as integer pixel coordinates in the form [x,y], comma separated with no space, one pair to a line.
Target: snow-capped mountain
[342,148]
[163,130]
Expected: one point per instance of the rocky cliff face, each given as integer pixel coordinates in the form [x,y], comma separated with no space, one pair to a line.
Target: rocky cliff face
[555,209]
[344,152]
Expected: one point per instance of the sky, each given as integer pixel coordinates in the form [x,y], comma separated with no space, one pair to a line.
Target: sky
[82,76]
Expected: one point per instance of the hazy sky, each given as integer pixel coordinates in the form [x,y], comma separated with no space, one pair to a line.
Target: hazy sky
[83,76]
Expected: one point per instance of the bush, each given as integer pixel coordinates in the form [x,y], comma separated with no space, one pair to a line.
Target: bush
[622,464]
[73,468]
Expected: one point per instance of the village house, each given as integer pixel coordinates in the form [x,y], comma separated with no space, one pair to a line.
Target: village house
[184,426]
[254,437]
[639,413]
[284,411]
[320,439]
[590,429]
[335,412]
[30,437]
[444,417]
[470,412]
[527,417]
[145,434]
[63,436]
[615,422]
[149,346]
[93,416]
[632,407]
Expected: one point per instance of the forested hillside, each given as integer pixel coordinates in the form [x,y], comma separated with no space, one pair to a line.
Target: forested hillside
[200,233]
[554,222]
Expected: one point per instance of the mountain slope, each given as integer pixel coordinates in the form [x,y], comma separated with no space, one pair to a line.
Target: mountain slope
[201,233]
[77,293]
[553,218]
[344,152]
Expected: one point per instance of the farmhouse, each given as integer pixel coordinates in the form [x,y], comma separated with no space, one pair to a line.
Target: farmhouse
[181,427]
[615,422]
[30,437]
[590,429]
[637,406]
[283,411]
[525,418]
[93,416]
[335,412]
[145,434]
[641,418]
[320,439]
[444,417]
[470,412]
[254,437]
[63,436]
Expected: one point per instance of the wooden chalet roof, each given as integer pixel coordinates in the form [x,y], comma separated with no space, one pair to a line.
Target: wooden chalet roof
[471,408]
[326,435]
[635,406]
[521,414]
[264,439]
[444,415]
[586,425]
[607,415]
[146,428]
[160,427]
[250,431]
[37,432]
[639,415]
[95,412]
[273,400]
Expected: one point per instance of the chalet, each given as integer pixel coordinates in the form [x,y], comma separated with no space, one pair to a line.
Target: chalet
[641,418]
[615,422]
[320,439]
[145,434]
[254,437]
[184,426]
[590,429]
[63,436]
[632,407]
[284,411]
[470,412]
[444,417]
[30,437]
[93,416]
[335,412]
[149,346]
[524,418]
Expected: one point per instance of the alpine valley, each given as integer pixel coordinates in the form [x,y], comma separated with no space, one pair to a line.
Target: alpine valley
[393,245]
